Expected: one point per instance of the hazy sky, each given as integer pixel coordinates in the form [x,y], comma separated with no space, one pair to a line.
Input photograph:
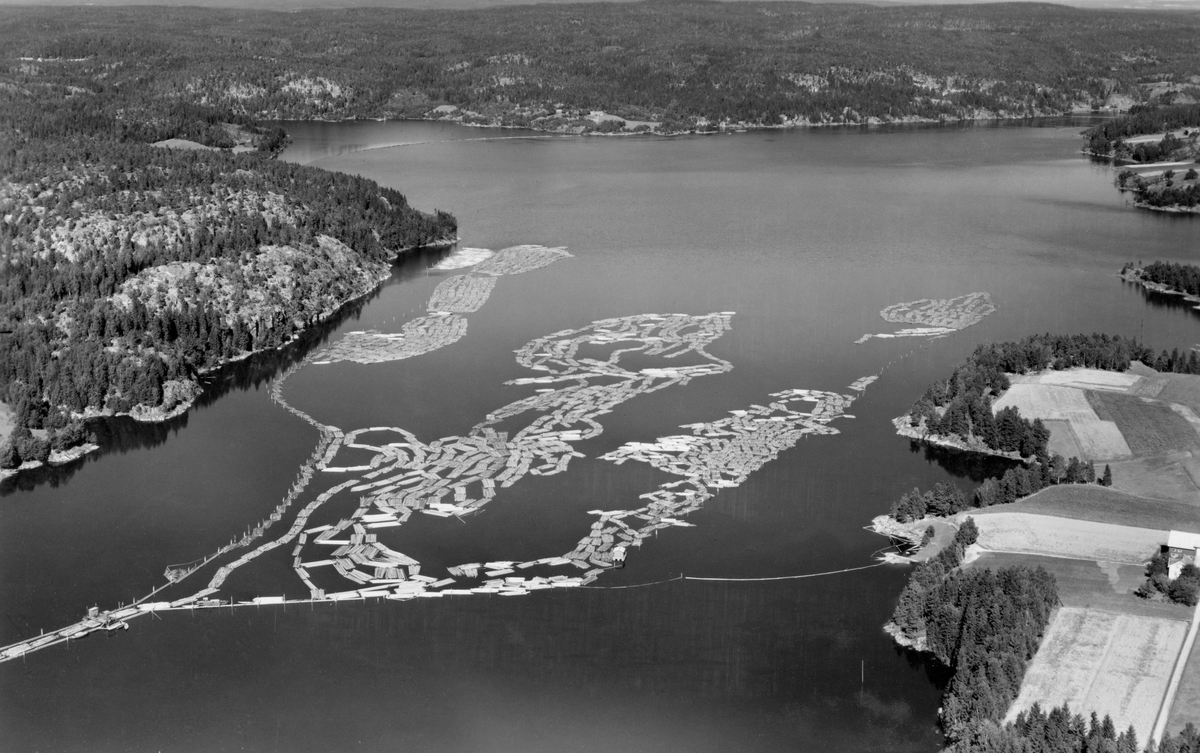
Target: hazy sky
[281,4]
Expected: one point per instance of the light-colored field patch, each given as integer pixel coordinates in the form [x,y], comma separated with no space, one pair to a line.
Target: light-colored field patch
[1084,379]
[8,421]
[1095,439]
[1047,402]
[1062,439]
[1100,440]
[1067,537]
[1115,664]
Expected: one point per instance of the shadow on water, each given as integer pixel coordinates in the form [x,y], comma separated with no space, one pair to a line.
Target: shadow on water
[1166,301]
[938,674]
[123,434]
[961,464]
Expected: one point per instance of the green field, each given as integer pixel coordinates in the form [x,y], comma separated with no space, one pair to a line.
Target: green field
[1090,584]
[1149,428]
[1103,505]
[1186,707]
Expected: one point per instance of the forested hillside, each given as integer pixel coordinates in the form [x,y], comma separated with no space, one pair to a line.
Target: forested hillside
[126,269]
[679,65]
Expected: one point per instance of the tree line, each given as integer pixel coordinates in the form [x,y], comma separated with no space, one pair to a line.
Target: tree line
[1061,731]
[947,498]
[984,625]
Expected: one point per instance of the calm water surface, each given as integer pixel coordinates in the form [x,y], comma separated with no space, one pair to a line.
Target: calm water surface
[806,235]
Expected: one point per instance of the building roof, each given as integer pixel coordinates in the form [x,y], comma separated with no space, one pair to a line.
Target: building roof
[1183,540]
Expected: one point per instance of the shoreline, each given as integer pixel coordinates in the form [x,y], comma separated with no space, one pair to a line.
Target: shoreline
[904,429]
[717,129]
[57,457]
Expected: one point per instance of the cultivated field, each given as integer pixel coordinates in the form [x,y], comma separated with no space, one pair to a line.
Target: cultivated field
[1106,505]
[1047,401]
[1115,664]
[1065,537]
[1090,584]
[1095,439]
[1149,427]
[1186,707]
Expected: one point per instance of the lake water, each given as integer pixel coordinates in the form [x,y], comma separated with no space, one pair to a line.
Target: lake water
[805,235]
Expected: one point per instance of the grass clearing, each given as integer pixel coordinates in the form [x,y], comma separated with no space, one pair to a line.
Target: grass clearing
[1166,478]
[1106,505]
[1115,664]
[1090,584]
[1005,531]
[1149,427]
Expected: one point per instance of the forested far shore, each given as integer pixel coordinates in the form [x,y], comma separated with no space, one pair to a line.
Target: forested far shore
[157,73]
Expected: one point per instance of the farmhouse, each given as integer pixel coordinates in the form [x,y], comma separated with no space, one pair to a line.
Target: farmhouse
[1182,549]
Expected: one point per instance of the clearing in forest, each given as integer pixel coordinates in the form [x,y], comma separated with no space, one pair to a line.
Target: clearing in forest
[1115,664]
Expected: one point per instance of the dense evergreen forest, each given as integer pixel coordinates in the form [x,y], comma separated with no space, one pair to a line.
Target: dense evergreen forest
[680,64]
[1181,278]
[1061,731]
[126,268]
[961,406]
[984,625]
